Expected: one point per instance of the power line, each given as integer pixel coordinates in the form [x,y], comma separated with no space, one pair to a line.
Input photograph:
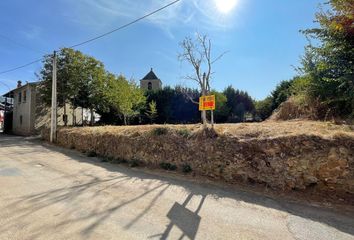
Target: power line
[125,25]
[22,66]
[100,36]
[19,44]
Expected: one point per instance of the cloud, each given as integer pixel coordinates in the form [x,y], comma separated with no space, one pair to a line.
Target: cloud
[32,32]
[201,14]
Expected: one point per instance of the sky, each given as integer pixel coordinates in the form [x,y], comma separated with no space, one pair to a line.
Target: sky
[261,38]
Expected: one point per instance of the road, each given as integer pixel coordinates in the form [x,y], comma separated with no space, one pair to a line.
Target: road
[52,193]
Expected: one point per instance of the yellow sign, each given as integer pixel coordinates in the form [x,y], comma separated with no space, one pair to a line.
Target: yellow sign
[207,103]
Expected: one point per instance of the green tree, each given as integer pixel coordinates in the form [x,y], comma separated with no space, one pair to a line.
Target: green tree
[239,104]
[281,93]
[151,112]
[329,65]
[221,112]
[264,108]
[126,97]
[80,80]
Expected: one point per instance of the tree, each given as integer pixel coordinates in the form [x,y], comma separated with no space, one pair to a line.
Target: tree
[174,105]
[239,103]
[81,80]
[222,111]
[281,93]
[151,113]
[329,64]
[125,96]
[197,52]
[264,108]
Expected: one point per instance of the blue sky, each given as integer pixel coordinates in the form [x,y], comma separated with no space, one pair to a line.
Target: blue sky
[261,36]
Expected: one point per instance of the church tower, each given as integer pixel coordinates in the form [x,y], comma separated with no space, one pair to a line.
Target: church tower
[150,82]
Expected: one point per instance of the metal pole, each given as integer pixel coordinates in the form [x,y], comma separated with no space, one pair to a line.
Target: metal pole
[5,118]
[53,122]
[212,118]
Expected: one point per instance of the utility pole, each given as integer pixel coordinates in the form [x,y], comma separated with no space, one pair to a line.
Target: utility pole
[53,122]
[5,118]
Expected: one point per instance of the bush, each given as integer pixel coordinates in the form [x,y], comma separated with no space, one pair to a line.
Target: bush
[159,131]
[184,132]
[91,154]
[168,166]
[134,162]
[186,168]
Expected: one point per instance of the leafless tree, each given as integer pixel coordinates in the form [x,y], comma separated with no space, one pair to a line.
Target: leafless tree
[197,52]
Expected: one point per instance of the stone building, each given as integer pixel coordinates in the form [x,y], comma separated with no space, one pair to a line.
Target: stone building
[29,115]
[150,82]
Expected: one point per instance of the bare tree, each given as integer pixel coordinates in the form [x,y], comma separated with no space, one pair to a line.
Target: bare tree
[197,52]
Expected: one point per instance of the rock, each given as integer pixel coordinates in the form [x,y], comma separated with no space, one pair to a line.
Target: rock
[310,179]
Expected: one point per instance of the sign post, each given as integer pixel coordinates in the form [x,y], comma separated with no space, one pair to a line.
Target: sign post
[207,103]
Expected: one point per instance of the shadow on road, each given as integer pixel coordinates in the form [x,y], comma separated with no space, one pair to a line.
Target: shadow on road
[186,220]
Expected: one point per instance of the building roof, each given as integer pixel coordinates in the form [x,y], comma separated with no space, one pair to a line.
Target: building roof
[150,76]
[10,94]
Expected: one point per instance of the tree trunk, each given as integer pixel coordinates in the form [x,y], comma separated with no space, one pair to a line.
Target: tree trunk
[65,118]
[73,114]
[125,120]
[203,116]
[92,117]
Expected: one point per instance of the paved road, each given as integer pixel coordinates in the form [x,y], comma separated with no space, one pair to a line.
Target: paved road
[51,193]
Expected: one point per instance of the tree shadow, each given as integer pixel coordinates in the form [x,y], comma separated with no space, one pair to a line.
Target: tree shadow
[186,220]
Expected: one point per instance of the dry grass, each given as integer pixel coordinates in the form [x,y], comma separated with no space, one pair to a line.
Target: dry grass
[267,129]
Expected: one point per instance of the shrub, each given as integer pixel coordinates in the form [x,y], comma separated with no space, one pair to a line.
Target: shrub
[159,131]
[168,166]
[186,168]
[184,132]
[91,154]
[134,162]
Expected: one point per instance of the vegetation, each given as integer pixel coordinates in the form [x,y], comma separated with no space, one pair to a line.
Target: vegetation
[159,131]
[197,52]
[326,77]
[151,112]
[186,168]
[168,166]
[83,82]
[184,132]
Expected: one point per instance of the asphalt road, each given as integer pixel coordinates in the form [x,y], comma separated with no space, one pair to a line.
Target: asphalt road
[47,192]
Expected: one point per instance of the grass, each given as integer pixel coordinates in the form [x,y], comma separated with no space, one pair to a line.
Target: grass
[242,131]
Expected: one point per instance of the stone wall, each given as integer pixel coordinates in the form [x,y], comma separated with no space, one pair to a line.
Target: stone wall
[283,162]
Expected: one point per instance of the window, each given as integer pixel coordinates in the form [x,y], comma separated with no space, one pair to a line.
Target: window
[20,119]
[149,86]
[19,97]
[24,96]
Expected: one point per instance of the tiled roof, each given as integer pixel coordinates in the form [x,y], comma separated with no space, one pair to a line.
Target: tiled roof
[150,76]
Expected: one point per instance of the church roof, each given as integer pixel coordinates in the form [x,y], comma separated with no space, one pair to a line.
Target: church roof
[150,76]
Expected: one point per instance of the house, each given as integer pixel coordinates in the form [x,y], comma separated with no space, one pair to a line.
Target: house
[30,115]
[150,82]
